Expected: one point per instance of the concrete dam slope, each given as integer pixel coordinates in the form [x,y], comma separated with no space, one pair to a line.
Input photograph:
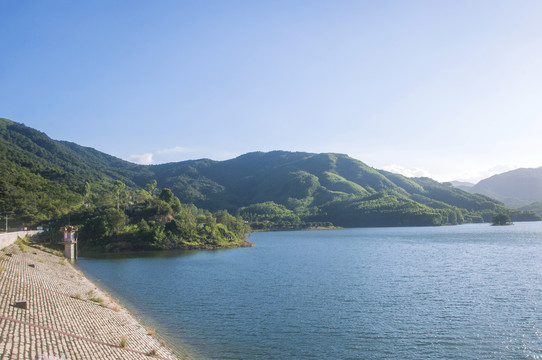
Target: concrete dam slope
[49,310]
[9,238]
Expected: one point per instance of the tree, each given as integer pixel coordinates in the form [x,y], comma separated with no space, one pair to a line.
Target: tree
[501,219]
[116,220]
[87,193]
[143,196]
[94,228]
[119,187]
[168,196]
[151,187]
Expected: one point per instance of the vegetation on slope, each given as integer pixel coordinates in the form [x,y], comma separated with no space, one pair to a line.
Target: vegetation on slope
[45,180]
[50,183]
[149,222]
[534,207]
[294,190]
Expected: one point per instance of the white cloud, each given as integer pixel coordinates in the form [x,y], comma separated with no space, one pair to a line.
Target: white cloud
[408,172]
[143,159]
[148,158]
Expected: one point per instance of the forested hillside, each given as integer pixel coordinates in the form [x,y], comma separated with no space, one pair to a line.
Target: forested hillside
[534,207]
[50,183]
[292,189]
[45,179]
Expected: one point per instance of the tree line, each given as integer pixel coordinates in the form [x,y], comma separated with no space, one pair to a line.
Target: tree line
[148,219]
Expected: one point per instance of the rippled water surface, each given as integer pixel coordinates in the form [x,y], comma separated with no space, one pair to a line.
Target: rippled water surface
[459,292]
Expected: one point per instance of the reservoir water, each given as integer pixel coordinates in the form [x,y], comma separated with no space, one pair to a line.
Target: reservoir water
[457,292]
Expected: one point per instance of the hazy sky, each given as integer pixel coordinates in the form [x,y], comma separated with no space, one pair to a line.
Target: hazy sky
[446,89]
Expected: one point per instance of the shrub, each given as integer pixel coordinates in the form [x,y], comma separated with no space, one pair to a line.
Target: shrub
[96,299]
[152,352]
[123,341]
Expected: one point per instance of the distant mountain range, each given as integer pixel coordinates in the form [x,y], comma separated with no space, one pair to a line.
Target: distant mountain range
[518,189]
[44,178]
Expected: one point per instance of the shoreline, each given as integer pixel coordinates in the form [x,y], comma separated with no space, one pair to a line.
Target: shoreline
[314,228]
[51,310]
[182,350]
[92,252]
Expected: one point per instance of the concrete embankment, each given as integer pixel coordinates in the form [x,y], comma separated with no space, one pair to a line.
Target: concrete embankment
[6,239]
[49,310]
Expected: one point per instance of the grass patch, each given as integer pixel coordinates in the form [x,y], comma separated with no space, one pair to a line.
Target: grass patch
[57,252]
[96,299]
[152,352]
[123,341]
[62,261]
[22,244]
[77,296]
[52,249]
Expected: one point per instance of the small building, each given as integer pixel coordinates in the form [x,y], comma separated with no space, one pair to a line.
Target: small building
[70,242]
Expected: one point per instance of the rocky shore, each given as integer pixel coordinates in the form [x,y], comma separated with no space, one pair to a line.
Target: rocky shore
[49,310]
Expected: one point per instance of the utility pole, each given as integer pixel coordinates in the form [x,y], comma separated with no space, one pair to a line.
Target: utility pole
[7,216]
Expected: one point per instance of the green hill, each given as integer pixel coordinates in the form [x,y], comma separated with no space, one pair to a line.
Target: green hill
[45,179]
[323,188]
[50,183]
[535,207]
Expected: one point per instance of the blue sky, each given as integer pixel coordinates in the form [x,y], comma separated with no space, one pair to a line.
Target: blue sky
[446,89]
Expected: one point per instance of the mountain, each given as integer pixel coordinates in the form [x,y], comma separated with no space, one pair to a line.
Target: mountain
[305,187]
[463,185]
[535,207]
[53,183]
[46,178]
[516,189]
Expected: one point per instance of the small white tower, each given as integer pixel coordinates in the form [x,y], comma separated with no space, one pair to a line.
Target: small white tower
[70,242]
